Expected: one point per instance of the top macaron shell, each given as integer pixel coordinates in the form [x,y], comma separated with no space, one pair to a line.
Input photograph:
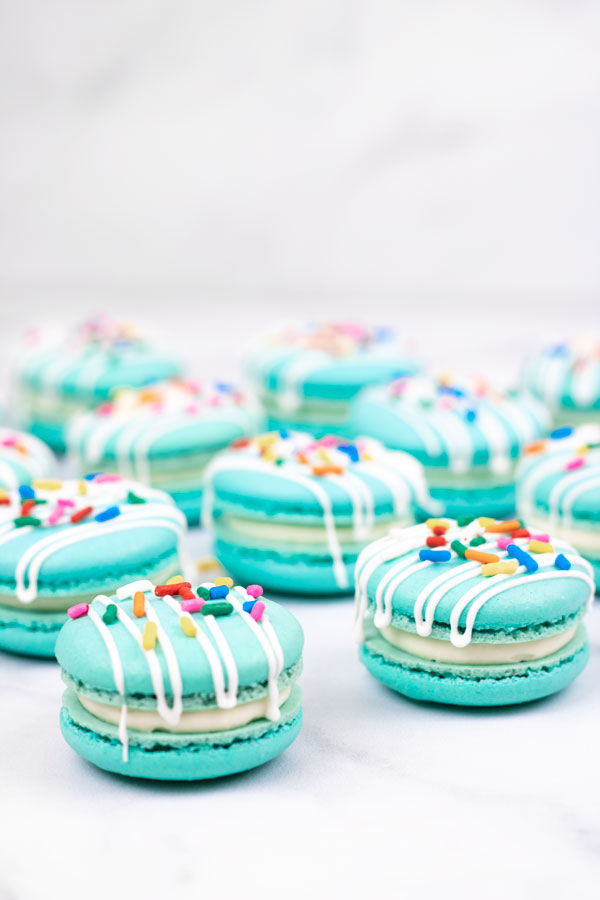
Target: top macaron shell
[566,376]
[23,458]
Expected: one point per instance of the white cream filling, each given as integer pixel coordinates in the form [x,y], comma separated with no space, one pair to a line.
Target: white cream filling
[586,540]
[304,534]
[191,721]
[475,653]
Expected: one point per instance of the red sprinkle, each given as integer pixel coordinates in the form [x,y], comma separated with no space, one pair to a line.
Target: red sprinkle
[4,501]
[186,593]
[162,590]
[435,541]
[27,506]
[239,443]
[82,514]
[440,530]
[520,532]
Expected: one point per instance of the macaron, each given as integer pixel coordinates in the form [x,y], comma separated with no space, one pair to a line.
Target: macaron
[491,617]
[306,376]
[181,683]
[293,512]
[61,373]
[468,438]
[558,489]
[163,435]
[566,376]
[63,542]
[23,457]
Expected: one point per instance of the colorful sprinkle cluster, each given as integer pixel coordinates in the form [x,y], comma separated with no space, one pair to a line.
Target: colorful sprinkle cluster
[14,442]
[173,396]
[330,455]
[583,439]
[340,339]
[442,394]
[440,549]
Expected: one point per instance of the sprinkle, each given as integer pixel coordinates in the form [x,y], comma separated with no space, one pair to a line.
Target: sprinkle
[27,506]
[21,521]
[519,533]
[476,541]
[207,564]
[540,537]
[254,590]
[56,515]
[110,614]
[524,558]
[171,588]
[504,567]
[47,484]
[133,498]
[463,521]
[219,591]
[224,580]
[350,450]
[139,604]
[189,626]
[107,477]
[26,492]
[561,562]
[435,541]
[150,635]
[502,527]
[435,555]
[186,593]
[80,609]
[480,556]
[248,604]
[575,463]
[82,487]
[437,523]
[219,608]
[257,610]
[65,502]
[534,447]
[203,593]
[504,541]
[4,501]
[459,548]
[192,604]
[82,514]
[440,530]
[176,579]
[485,521]
[327,470]
[111,513]
[91,475]
[559,433]
[540,547]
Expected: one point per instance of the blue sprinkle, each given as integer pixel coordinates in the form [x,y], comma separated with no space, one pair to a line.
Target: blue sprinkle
[561,562]
[453,391]
[558,350]
[224,386]
[470,415]
[563,432]
[110,513]
[91,475]
[434,555]
[401,373]
[284,433]
[248,604]
[221,590]
[351,450]
[26,492]
[523,558]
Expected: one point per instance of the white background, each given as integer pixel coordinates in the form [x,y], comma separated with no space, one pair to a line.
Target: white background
[205,168]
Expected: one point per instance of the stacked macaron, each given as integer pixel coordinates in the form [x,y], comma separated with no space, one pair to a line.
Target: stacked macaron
[307,376]
[168,682]
[558,488]
[60,374]
[62,542]
[566,377]
[163,435]
[467,437]
[22,458]
[480,613]
[293,512]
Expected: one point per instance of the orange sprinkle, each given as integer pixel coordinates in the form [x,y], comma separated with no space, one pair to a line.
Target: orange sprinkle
[139,604]
[327,470]
[534,447]
[480,556]
[501,527]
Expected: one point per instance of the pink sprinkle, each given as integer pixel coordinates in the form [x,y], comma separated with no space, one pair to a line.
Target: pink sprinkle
[504,541]
[329,441]
[254,590]
[544,538]
[194,605]
[257,610]
[106,477]
[9,441]
[214,401]
[105,409]
[575,463]
[192,409]
[64,501]
[55,515]
[81,609]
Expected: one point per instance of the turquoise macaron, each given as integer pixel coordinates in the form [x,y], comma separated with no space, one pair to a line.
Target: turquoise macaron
[163,435]
[293,512]
[63,542]
[307,376]
[174,683]
[478,614]
[566,377]
[23,458]
[61,373]
[558,489]
[467,437]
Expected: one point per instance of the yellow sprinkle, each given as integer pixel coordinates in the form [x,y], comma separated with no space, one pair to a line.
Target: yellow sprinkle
[436,523]
[47,484]
[3,493]
[176,579]
[446,377]
[269,456]
[366,457]
[188,625]
[504,567]
[82,487]
[149,637]
[139,604]
[224,580]
[485,521]
[323,454]
[583,449]
[540,547]
[208,564]
[263,440]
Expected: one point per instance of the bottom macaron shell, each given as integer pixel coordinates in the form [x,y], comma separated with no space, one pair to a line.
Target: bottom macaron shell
[188,763]
[498,502]
[532,684]
[284,574]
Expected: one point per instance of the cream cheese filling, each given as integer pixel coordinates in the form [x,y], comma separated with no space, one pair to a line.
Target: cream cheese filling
[191,721]
[279,532]
[475,653]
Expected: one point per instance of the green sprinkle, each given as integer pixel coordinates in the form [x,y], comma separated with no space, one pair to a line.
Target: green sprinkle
[217,608]
[459,548]
[38,500]
[464,521]
[203,592]
[110,613]
[21,521]
[133,498]
[476,541]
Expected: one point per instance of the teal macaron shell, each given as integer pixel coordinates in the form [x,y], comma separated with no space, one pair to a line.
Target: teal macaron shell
[565,376]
